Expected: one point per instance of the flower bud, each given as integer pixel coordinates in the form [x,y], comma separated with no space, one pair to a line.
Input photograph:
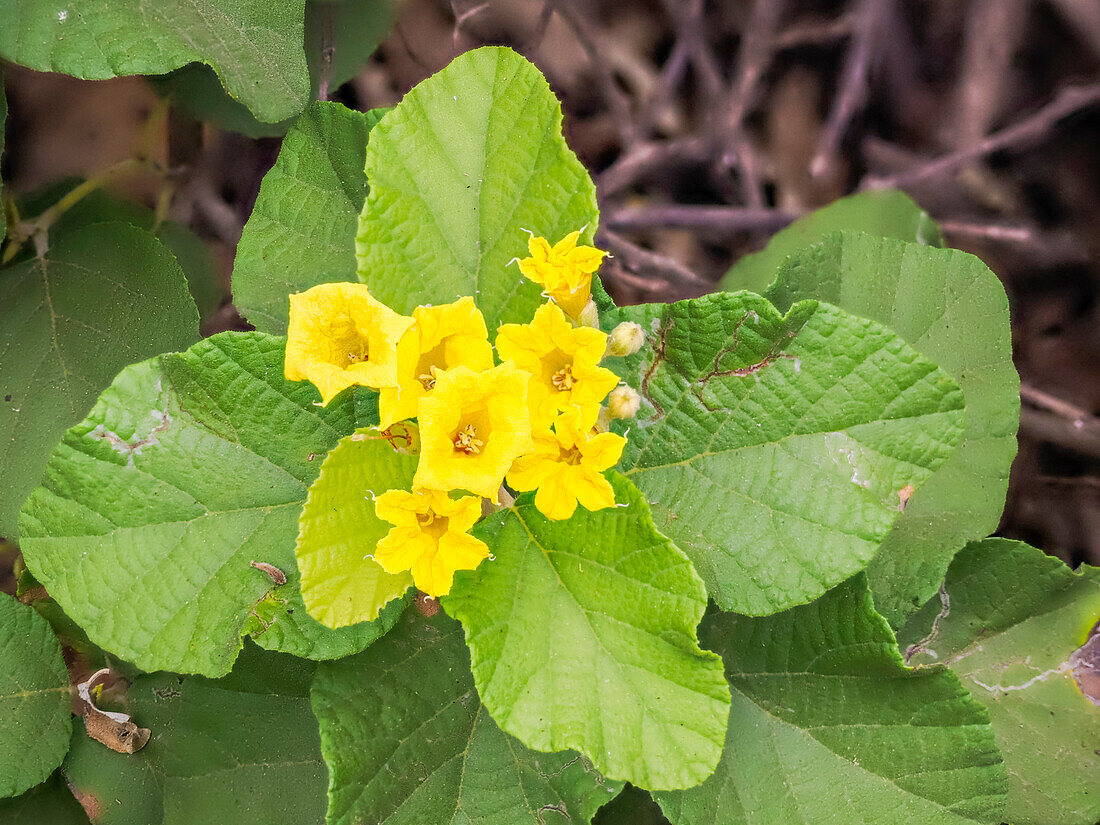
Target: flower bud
[623,402]
[590,316]
[626,339]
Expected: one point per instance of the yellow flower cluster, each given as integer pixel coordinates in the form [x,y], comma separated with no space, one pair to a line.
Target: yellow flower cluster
[531,420]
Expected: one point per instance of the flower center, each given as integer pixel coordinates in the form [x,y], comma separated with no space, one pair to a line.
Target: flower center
[430,363]
[466,441]
[563,378]
[572,456]
[432,524]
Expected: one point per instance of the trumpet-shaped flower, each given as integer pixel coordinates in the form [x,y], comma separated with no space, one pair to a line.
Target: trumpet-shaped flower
[567,466]
[564,269]
[339,335]
[443,337]
[472,427]
[430,537]
[563,361]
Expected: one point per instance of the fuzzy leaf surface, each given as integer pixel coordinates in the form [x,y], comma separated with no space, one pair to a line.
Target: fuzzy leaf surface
[339,530]
[34,699]
[582,635]
[407,741]
[243,749]
[102,297]
[253,45]
[885,213]
[460,170]
[190,467]
[1012,624]
[51,803]
[775,450]
[827,721]
[949,307]
[302,229]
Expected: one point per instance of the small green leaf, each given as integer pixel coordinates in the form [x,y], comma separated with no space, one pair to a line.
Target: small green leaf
[189,468]
[1010,622]
[775,451]
[950,308]
[338,531]
[34,699]
[302,229]
[469,162]
[582,634]
[407,741]
[828,723]
[885,213]
[51,803]
[254,46]
[241,750]
[102,297]
[355,29]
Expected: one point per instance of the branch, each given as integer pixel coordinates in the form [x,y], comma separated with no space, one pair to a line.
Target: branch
[721,220]
[1049,418]
[639,259]
[1032,128]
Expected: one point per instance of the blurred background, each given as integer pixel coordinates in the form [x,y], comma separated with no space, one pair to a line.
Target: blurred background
[710,125]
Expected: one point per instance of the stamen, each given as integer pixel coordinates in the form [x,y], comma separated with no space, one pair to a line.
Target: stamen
[563,378]
[428,378]
[466,441]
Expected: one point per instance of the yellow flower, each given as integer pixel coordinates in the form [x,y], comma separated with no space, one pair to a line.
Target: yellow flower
[430,537]
[472,427]
[567,466]
[564,269]
[445,336]
[563,362]
[339,336]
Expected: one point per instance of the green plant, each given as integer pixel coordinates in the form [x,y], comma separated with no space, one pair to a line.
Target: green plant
[804,469]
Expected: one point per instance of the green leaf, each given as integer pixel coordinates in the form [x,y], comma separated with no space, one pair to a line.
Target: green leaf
[407,740]
[356,28]
[459,171]
[582,634]
[1008,623]
[828,723]
[254,46]
[339,530]
[950,308]
[775,450]
[302,229]
[885,213]
[102,297]
[193,255]
[34,699]
[189,468]
[241,750]
[51,803]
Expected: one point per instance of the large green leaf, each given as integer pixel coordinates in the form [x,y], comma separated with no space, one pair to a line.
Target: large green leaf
[339,530]
[302,229]
[776,451]
[885,213]
[243,750]
[102,297]
[189,468]
[407,740]
[255,46]
[51,803]
[354,29]
[1008,623]
[34,699]
[582,634]
[193,255]
[828,725]
[469,162]
[949,307]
